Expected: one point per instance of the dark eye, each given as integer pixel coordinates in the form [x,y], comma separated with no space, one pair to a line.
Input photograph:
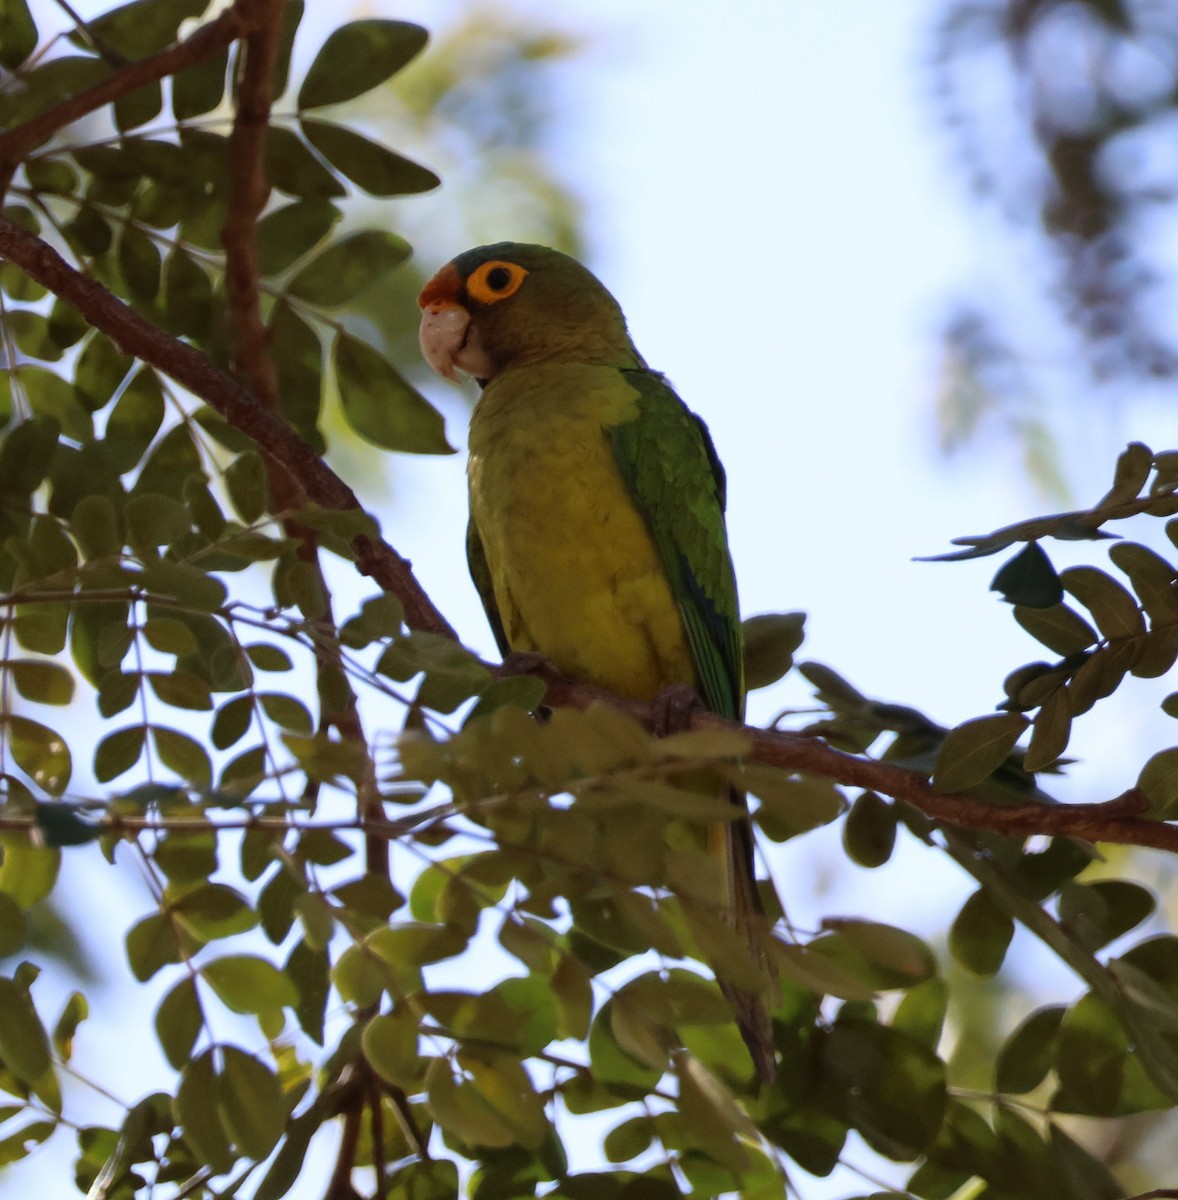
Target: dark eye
[498,278]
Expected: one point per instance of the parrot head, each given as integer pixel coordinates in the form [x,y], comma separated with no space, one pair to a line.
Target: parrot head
[510,305]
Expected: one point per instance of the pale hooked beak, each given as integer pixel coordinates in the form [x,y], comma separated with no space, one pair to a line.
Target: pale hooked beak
[443,332]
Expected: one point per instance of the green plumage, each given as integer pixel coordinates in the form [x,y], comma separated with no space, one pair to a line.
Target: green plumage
[597,533]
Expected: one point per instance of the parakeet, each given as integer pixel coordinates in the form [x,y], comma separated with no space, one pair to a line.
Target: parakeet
[596,534]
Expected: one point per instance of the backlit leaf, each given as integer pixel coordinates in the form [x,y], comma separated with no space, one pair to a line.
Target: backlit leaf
[358,57]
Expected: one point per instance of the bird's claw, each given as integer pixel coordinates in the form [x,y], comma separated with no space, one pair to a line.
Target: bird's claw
[673,707]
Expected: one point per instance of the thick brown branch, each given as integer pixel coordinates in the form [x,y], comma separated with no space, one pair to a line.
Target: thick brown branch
[250,191]
[137,336]
[17,143]
[1119,820]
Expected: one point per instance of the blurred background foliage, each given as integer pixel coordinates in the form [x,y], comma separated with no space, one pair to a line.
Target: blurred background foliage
[1060,118]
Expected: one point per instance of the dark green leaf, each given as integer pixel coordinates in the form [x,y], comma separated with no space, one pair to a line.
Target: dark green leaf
[347,266]
[378,170]
[1050,733]
[1091,1048]
[251,1102]
[1159,781]
[380,406]
[293,169]
[980,934]
[1028,1053]
[975,750]
[139,261]
[1028,579]
[358,57]
[198,89]
[18,33]
[286,234]
[869,832]
[24,1044]
[178,1022]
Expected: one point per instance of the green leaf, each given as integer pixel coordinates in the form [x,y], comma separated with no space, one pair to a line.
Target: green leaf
[39,751]
[1027,1055]
[770,641]
[980,934]
[371,166]
[974,750]
[1099,912]
[1152,577]
[198,89]
[178,1022]
[921,1014]
[24,1044]
[18,33]
[380,406]
[292,168]
[249,984]
[286,234]
[142,27]
[358,57]
[1133,467]
[869,832]
[213,910]
[249,487]
[118,752]
[13,925]
[183,754]
[494,1103]
[1159,781]
[902,960]
[40,681]
[347,266]
[1050,733]
[139,261]
[891,1088]
[28,873]
[1113,608]
[390,1046]
[1091,1048]
[1028,579]
[198,1114]
[52,397]
[1059,627]
[252,1103]
[101,368]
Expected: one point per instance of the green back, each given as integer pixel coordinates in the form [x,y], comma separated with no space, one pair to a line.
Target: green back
[667,460]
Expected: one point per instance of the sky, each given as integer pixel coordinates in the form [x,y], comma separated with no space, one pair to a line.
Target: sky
[769,195]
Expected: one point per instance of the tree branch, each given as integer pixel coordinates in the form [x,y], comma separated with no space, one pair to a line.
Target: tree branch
[1119,820]
[17,143]
[137,336]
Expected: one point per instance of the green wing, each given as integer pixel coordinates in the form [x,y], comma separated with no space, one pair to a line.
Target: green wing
[669,465]
[476,560]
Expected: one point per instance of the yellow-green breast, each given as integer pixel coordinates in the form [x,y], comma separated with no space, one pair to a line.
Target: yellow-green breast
[575,574]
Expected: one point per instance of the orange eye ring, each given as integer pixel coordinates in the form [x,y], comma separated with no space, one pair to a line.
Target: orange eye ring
[494,281]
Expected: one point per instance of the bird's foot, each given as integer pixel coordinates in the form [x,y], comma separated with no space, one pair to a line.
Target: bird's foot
[672,709]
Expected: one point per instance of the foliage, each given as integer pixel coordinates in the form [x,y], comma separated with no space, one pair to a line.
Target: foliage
[1059,114]
[449,952]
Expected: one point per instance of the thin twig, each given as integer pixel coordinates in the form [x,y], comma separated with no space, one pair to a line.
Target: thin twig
[101,45]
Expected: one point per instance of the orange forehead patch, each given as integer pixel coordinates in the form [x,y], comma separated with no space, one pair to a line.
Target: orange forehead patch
[445,287]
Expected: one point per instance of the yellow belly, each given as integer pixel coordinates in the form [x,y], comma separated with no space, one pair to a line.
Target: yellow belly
[575,573]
